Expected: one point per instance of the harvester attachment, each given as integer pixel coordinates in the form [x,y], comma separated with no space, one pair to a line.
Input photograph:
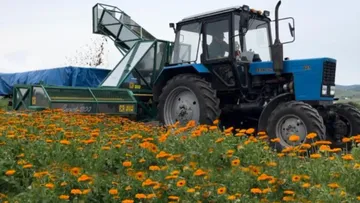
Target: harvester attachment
[117,25]
[82,100]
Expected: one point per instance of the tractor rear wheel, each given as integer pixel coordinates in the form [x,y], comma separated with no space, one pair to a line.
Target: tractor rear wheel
[346,126]
[188,97]
[294,118]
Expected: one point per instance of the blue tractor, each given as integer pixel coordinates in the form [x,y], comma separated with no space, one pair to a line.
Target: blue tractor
[225,65]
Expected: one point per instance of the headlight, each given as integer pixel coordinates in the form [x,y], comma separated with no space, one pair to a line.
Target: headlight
[332,90]
[324,90]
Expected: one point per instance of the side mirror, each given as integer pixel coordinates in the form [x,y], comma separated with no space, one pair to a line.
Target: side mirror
[172,25]
[292,30]
[286,30]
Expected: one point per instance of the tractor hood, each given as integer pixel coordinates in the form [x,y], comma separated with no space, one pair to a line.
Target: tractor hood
[310,75]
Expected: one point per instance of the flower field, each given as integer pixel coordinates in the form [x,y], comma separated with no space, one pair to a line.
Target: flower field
[57,157]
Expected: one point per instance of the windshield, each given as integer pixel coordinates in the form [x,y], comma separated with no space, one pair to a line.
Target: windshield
[186,43]
[256,40]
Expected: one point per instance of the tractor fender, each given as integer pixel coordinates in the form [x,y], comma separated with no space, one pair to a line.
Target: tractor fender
[169,72]
[269,108]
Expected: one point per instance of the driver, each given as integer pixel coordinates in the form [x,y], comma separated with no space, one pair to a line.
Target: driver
[218,47]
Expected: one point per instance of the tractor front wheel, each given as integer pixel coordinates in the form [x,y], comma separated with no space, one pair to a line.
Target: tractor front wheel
[294,118]
[188,97]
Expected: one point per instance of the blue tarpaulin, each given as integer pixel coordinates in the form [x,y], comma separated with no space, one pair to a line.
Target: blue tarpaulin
[63,76]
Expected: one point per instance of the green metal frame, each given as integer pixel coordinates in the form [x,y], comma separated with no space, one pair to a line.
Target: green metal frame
[27,100]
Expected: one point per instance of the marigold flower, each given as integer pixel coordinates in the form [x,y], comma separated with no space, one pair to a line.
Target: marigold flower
[126,163]
[181,183]
[28,166]
[346,139]
[127,201]
[231,197]
[256,190]
[64,197]
[294,138]
[75,171]
[50,185]
[311,136]
[348,157]
[140,196]
[83,178]
[113,191]
[64,142]
[191,190]
[296,178]
[289,192]
[250,131]
[199,172]
[333,185]
[306,185]
[76,191]
[10,172]
[175,198]
[315,156]
[235,162]
[154,168]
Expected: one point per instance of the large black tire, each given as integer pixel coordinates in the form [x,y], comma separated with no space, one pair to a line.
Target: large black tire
[306,114]
[350,116]
[207,100]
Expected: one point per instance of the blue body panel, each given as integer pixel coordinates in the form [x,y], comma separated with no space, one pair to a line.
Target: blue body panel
[200,68]
[169,71]
[307,75]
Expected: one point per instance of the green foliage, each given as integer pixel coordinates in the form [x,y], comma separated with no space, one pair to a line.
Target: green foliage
[110,159]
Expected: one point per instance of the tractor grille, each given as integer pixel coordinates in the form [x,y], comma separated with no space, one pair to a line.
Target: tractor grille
[329,73]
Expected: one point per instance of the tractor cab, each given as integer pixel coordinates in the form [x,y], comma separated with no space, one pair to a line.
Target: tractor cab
[224,41]
[232,34]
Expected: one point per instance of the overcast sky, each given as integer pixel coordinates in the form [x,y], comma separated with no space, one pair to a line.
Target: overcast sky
[39,34]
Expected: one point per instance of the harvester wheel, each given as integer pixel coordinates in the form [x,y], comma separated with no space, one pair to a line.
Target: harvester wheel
[294,118]
[188,97]
[348,124]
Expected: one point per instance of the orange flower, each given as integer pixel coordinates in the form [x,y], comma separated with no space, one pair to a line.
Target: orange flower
[140,196]
[333,185]
[28,166]
[75,171]
[113,191]
[221,190]
[295,178]
[50,185]
[256,190]
[235,162]
[181,183]
[76,192]
[346,139]
[64,197]
[83,178]
[126,163]
[154,168]
[250,131]
[10,172]
[127,201]
[311,136]
[348,157]
[140,176]
[315,156]
[64,142]
[199,172]
[294,138]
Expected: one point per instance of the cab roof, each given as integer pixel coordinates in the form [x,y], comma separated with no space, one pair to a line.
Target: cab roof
[211,13]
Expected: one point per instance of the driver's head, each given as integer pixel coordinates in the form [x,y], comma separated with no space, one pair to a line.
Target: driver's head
[218,35]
